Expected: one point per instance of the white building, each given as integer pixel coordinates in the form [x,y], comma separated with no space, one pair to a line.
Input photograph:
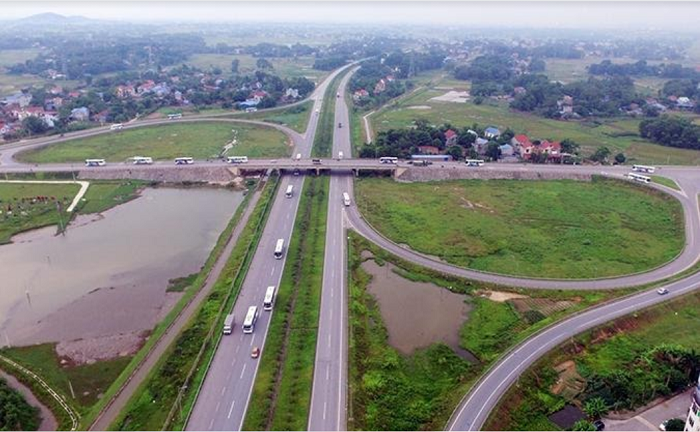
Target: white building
[693,421]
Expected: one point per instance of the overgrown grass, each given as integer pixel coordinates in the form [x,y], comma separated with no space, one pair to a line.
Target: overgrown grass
[163,142]
[295,117]
[151,404]
[15,412]
[610,349]
[182,283]
[555,229]
[488,332]
[282,391]
[89,381]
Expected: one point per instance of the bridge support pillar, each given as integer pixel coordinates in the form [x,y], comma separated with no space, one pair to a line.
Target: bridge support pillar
[398,172]
[235,171]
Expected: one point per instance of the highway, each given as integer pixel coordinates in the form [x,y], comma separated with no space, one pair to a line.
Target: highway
[223,400]
[328,397]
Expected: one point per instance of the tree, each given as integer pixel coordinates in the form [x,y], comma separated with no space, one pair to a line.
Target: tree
[263,63]
[569,146]
[675,424]
[601,154]
[493,151]
[595,408]
[235,63]
[583,425]
[34,125]
[620,158]
[455,151]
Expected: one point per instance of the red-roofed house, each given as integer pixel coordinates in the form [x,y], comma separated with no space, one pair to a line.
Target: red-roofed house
[146,87]
[450,137]
[123,91]
[522,145]
[74,94]
[31,111]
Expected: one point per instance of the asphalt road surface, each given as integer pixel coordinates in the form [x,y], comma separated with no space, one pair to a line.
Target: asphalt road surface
[225,394]
[329,393]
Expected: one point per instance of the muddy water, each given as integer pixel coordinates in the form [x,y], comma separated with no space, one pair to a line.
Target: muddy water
[417,314]
[108,274]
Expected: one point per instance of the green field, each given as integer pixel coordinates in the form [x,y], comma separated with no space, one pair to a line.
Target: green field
[284,67]
[620,135]
[552,229]
[198,140]
[629,348]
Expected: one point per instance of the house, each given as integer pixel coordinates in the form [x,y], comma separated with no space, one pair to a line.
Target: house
[450,137]
[146,87]
[566,105]
[522,145]
[480,145]
[80,114]
[360,94]
[380,86]
[258,95]
[20,99]
[161,90]
[429,150]
[32,111]
[492,133]
[684,103]
[551,148]
[124,91]
[507,150]
[56,90]
[74,94]
[291,93]
[52,104]
[101,117]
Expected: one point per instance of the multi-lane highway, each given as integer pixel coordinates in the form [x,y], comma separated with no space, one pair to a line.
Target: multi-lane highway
[329,392]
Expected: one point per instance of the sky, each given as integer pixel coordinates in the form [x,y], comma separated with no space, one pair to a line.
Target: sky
[562,14]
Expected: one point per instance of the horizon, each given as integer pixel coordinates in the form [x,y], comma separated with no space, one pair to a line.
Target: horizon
[648,16]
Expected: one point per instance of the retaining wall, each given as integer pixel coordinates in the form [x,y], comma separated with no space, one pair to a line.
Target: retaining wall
[424,174]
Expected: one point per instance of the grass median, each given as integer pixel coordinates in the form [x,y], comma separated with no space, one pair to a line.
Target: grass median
[282,391]
[545,229]
[323,141]
[151,404]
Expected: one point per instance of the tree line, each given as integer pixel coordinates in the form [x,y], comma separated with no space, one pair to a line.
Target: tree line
[15,412]
[671,131]
[642,68]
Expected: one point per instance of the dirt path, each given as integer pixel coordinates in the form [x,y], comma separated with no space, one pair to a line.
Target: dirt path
[115,406]
[48,421]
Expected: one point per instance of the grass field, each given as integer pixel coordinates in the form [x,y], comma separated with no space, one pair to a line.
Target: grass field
[88,381]
[284,67]
[200,140]
[282,391]
[620,135]
[296,117]
[614,347]
[555,229]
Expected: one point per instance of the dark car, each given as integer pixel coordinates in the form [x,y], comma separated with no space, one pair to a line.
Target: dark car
[599,425]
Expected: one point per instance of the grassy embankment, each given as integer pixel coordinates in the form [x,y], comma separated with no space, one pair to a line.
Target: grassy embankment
[665,181]
[391,391]
[282,391]
[21,210]
[295,117]
[198,140]
[151,405]
[623,360]
[553,229]
[618,134]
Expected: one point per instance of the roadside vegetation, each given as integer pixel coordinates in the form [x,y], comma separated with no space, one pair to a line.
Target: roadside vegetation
[392,391]
[323,141]
[665,181]
[282,392]
[160,402]
[553,229]
[619,366]
[26,206]
[15,412]
[198,140]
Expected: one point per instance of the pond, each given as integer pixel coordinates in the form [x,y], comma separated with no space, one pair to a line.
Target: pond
[109,273]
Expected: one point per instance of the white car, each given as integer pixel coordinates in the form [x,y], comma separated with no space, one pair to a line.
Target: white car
[662,291]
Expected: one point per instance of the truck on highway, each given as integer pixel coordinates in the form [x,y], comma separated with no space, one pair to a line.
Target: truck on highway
[279,249]
[228,324]
[340,125]
[316,161]
[346,199]
[290,191]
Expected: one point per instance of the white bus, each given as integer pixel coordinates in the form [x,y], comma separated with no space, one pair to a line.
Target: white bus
[639,178]
[184,161]
[279,249]
[95,162]
[237,159]
[228,324]
[346,199]
[142,160]
[250,318]
[389,160]
[290,191]
[116,126]
[474,162]
[643,168]
[174,116]
[269,298]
